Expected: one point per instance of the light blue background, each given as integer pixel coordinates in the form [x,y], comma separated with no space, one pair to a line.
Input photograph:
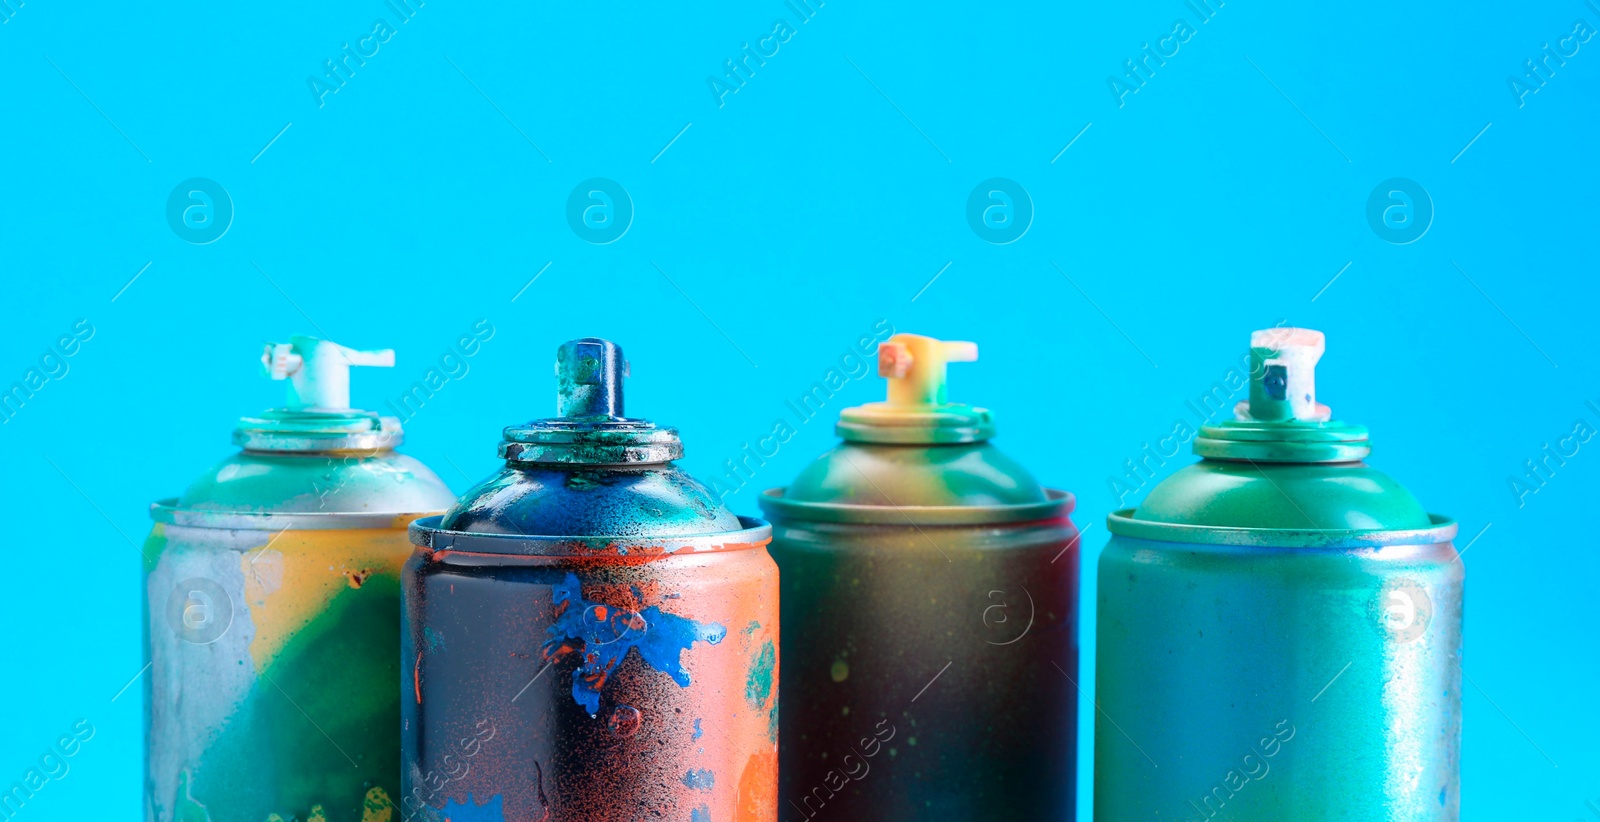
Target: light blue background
[1215,201]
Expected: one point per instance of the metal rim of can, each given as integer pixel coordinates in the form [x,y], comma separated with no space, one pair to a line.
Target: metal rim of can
[314,431]
[1058,504]
[167,512]
[1291,441]
[589,454]
[425,533]
[878,422]
[252,440]
[1122,523]
[620,442]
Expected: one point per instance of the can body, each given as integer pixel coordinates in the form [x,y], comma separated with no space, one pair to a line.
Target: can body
[1279,682]
[932,669]
[272,680]
[590,680]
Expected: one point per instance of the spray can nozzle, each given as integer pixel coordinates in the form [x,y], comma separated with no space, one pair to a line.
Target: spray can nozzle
[916,367]
[318,371]
[1283,377]
[918,410]
[589,374]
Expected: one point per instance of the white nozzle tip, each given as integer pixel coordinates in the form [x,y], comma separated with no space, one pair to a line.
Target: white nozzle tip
[960,352]
[1279,339]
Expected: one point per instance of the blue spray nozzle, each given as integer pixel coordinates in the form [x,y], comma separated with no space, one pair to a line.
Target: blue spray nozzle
[589,373]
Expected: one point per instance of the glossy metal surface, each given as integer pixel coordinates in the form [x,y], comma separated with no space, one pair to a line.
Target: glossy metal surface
[272,626]
[1278,682]
[589,634]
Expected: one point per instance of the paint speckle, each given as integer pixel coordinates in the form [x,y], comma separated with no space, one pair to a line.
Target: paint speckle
[434,639]
[759,685]
[492,810]
[700,814]
[602,636]
[625,721]
[840,670]
[697,731]
[700,779]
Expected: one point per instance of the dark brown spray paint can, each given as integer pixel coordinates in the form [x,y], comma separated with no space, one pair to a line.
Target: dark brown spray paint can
[930,601]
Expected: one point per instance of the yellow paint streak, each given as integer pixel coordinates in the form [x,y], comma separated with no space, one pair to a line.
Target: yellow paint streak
[377,807]
[289,581]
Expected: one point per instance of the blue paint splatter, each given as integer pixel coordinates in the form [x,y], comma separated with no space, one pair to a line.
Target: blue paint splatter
[602,636]
[700,779]
[470,811]
[434,638]
[697,732]
[700,814]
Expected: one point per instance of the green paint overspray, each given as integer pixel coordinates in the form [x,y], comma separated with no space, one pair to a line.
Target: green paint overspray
[267,762]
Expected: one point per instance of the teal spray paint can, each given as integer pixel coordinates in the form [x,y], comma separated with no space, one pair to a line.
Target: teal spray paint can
[1279,626]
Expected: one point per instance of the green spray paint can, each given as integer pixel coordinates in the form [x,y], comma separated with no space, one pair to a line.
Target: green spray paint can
[1279,626]
[929,603]
[272,610]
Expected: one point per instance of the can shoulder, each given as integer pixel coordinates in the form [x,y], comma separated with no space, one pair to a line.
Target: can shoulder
[381,482]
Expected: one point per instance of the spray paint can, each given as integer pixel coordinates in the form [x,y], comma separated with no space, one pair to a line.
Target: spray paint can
[588,633]
[1279,626]
[272,600]
[930,598]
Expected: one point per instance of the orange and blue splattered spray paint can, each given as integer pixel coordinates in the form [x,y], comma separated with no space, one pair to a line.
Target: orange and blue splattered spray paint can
[272,592]
[588,634]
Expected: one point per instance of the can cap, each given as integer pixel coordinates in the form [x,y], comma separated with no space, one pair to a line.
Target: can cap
[590,427]
[917,409]
[316,415]
[1282,421]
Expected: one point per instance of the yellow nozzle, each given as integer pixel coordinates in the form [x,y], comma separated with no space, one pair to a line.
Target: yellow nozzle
[916,367]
